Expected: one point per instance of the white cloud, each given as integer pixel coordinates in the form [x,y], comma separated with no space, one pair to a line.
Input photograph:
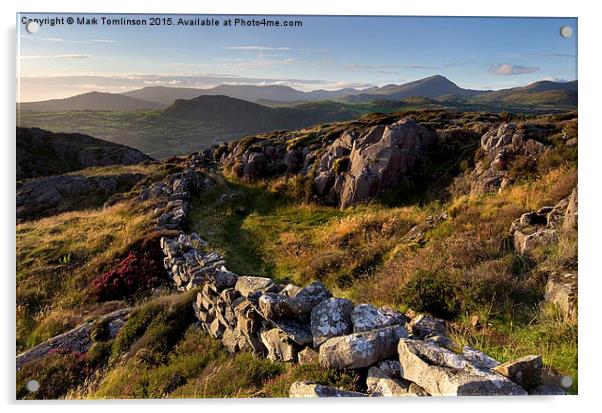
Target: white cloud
[505,69]
[256,48]
[58,56]
[102,41]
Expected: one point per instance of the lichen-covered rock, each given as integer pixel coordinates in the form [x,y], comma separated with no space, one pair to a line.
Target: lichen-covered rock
[441,372]
[295,331]
[223,279]
[331,318]
[361,349]
[246,285]
[305,299]
[275,307]
[384,379]
[310,389]
[366,317]
[525,371]
[423,326]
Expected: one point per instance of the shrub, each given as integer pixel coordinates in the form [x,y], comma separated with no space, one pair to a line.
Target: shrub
[431,292]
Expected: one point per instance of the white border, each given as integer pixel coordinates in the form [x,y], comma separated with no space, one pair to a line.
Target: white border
[589,176]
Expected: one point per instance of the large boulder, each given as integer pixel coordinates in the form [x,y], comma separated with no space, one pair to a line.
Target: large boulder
[381,157]
[331,318]
[310,389]
[441,372]
[361,349]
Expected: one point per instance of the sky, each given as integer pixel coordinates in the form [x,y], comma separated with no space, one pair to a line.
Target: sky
[325,52]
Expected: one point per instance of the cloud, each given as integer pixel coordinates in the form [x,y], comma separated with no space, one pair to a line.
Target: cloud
[505,69]
[555,79]
[256,48]
[102,41]
[58,56]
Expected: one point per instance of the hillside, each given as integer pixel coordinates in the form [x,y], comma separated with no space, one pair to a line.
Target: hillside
[422,234]
[43,153]
[90,101]
[538,93]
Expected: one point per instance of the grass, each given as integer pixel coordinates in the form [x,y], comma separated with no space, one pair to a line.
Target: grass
[52,289]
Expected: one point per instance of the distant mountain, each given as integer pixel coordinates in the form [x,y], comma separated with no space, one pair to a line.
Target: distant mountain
[538,93]
[90,101]
[44,153]
[233,115]
[431,87]
[251,93]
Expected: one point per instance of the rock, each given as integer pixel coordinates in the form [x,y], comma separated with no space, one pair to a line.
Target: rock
[423,326]
[304,300]
[310,389]
[547,390]
[570,219]
[330,318]
[274,307]
[308,356]
[440,372]
[525,371]
[295,330]
[527,242]
[248,321]
[361,349]
[255,167]
[290,290]
[293,161]
[381,157]
[246,285]
[223,279]
[384,379]
[561,290]
[478,358]
[366,317]
[278,345]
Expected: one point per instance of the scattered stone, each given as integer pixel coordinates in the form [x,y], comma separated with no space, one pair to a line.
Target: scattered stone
[331,318]
[525,371]
[440,372]
[361,349]
[310,389]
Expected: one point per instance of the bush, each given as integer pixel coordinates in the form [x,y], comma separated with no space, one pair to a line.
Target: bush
[432,292]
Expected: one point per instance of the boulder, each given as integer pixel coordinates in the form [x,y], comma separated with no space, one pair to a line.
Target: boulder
[256,166]
[302,301]
[310,389]
[441,372]
[293,161]
[525,371]
[295,330]
[360,350]
[384,379]
[278,345]
[366,317]
[331,318]
[223,279]
[246,285]
[423,326]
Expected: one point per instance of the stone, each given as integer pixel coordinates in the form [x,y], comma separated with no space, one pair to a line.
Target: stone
[290,290]
[360,350]
[441,372]
[525,371]
[526,242]
[274,307]
[384,379]
[478,358]
[571,215]
[561,290]
[366,317]
[223,279]
[293,161]
[547,390]
[304,300]
[311,389]
[248,320]
[295,330]
[216,329]
[308,356]
[246,285]
[423,326]
[278,345]
[331,318]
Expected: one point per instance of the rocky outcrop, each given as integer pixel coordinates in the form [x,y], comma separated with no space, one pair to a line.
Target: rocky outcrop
[44,153]
[356,168]
[500,147]
[79,339]
[51,195]
[561,290]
